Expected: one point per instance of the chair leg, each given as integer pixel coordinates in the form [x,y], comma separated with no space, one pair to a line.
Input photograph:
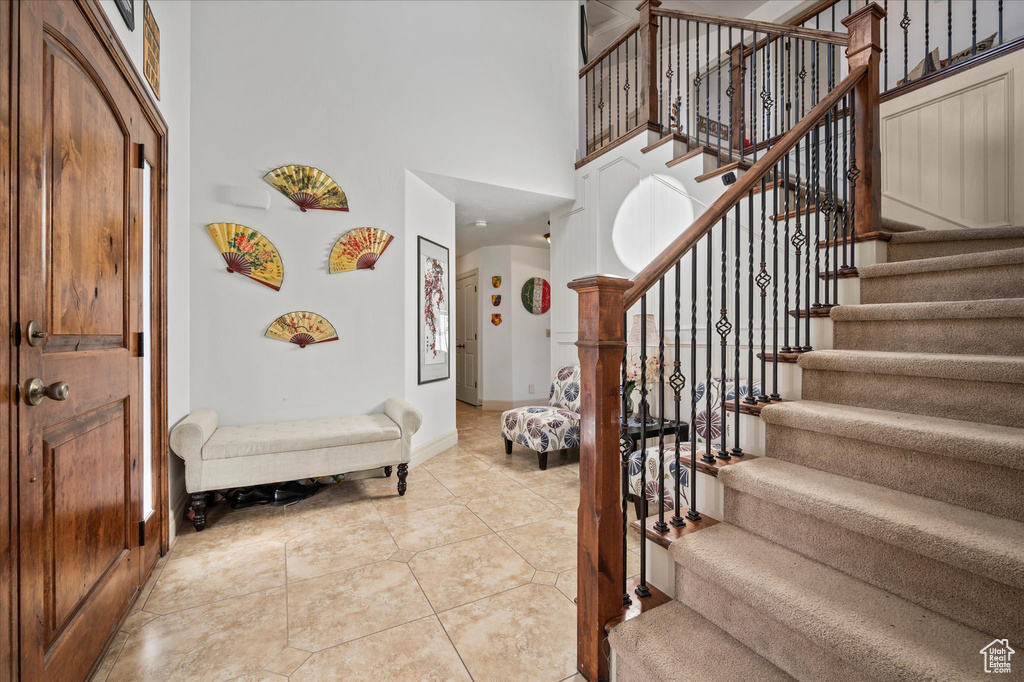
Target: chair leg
[542,460]
[638,506]
[508,447]
[387,472]
[403,471]
[199,510]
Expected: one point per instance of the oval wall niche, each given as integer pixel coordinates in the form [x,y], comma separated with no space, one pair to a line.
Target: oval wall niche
[650,217]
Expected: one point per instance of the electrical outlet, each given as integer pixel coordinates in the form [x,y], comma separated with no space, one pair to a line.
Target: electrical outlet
[547,333]
[530,388]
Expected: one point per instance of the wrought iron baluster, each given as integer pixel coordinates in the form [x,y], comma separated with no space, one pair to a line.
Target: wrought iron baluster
[753,96]
[692,513]
[927,34]
[668,74]
[625,453]
[974,27]
[885,46]
[707,89]
[642,590]
[815,177]
[766,79]
[905,25]
[775,286]
[679,74]
[636,76]
[750,298]
[786,348]
[741,70]
[689,131]
[737,451]
[807,250]
[660,524]
[834,179]
[1000,11]
[625,86]
[949,30]
[853,174]
[763,280]
[588,133]
[709,323]
[846,213]
[600,104]
[618,128]
[723,327]
[797,241]
[677,382]
[718,94]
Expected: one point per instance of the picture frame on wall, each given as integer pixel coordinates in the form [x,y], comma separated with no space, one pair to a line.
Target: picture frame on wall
[433,320]
[127,10]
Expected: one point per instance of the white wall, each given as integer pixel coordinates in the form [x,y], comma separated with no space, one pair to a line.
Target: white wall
[173,18]
[516,353]
[365,92]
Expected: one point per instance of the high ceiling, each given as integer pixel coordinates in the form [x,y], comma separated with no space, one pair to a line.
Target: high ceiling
[514,217]
[607,19]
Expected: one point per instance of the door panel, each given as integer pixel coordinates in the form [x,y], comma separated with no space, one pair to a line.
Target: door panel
[466,294]
[77,484]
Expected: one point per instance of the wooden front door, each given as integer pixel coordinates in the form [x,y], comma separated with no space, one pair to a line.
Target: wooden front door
[80,426]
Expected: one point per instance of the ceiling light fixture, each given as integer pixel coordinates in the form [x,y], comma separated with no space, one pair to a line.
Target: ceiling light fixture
[481,223]
[548,237]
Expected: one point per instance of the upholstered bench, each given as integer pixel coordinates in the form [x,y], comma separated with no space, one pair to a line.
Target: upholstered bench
[219,457]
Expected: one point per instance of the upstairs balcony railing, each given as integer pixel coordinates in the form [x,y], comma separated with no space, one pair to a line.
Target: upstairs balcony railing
[750,271]
[735,86]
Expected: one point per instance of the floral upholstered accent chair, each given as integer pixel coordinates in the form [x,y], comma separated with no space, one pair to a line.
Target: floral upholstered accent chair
[706,430]
[555,426]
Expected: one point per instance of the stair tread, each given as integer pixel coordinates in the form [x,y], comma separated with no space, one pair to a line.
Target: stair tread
[962,261]
[981,543]
[932,310]
[958,235]
[888,637]
[986,443]
[674,642]
[992,368]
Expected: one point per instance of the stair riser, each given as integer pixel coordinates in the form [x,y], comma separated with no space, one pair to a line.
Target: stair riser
[976,401]
[969,284]
[974,485]
[766,636]
[992,336]
[913,251]
[959,595]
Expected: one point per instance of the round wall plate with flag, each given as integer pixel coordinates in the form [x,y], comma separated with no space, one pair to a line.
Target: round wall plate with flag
[537,295]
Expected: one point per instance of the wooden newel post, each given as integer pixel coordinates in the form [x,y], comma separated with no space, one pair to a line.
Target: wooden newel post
[648,30]
[602,339]
[864,29]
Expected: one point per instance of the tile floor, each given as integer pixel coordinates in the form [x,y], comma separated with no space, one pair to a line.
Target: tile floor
[470,576]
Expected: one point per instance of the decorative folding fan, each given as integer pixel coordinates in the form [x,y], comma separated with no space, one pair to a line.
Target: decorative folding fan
[359,249]
[308,187]
[248,253]
[302,328]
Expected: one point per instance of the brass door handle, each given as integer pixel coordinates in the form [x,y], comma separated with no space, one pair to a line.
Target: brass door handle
[36,390]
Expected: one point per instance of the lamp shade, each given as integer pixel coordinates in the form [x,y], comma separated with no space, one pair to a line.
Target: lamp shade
[636,340]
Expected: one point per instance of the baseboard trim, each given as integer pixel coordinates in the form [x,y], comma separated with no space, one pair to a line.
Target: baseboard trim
[421,453]
[177,514]
[503,405]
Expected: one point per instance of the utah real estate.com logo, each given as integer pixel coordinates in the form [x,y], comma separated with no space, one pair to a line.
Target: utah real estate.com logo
[997,656]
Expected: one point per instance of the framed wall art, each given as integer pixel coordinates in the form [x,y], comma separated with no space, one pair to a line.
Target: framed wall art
[432,312]
[150,48]
[127,10]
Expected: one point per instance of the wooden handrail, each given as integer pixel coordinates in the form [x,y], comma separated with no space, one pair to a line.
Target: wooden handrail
[682,244]
[589,66]
[832,37]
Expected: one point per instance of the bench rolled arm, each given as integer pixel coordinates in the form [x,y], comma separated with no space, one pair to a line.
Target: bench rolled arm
[405,414]
[191,434]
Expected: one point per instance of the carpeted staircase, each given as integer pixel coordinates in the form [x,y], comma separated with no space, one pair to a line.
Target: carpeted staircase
[882,537]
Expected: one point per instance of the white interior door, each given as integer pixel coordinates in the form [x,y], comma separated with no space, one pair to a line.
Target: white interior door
[467,326]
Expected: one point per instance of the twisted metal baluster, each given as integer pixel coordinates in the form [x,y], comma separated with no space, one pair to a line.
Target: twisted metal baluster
[816,145]
[708,458]
[718,93]
[692,514]
[835,204]
[600,104]
[846,212]
[737,451]
[660,524]
[669,73]
[974,27]
[797,241]
[853,174]
[625,452]
[707,91]
[750,400]
[641,589]
[677,382]
[905,25]
[775,288]
[626,86]
[618,118]
[723,327]
[741,68]
[763,280]
[927,33]
[753,96]
[689,132]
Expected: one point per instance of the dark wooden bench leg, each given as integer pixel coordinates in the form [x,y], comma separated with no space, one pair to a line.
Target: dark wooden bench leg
[387,472]
[542,460]
[508,447]
[403,471]
[199,510]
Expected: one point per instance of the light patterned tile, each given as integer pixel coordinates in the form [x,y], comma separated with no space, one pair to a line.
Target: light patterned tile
[419,650]
[530,630]
[343,606]
[219,641]
[548,545]
[315,554]
[545,578]
[566,494]
[338,505]
[567,584]
[435,527]
[109,658]
[287,661]
[422,493]
[509,510]
[479,484]
[226,527]
[454,465]
[462,572]
[530,475]
[218,574]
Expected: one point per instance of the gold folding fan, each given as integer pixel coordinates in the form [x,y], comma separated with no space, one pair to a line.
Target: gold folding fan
[302,328]
[308,187]
[248,253]
[359,249]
